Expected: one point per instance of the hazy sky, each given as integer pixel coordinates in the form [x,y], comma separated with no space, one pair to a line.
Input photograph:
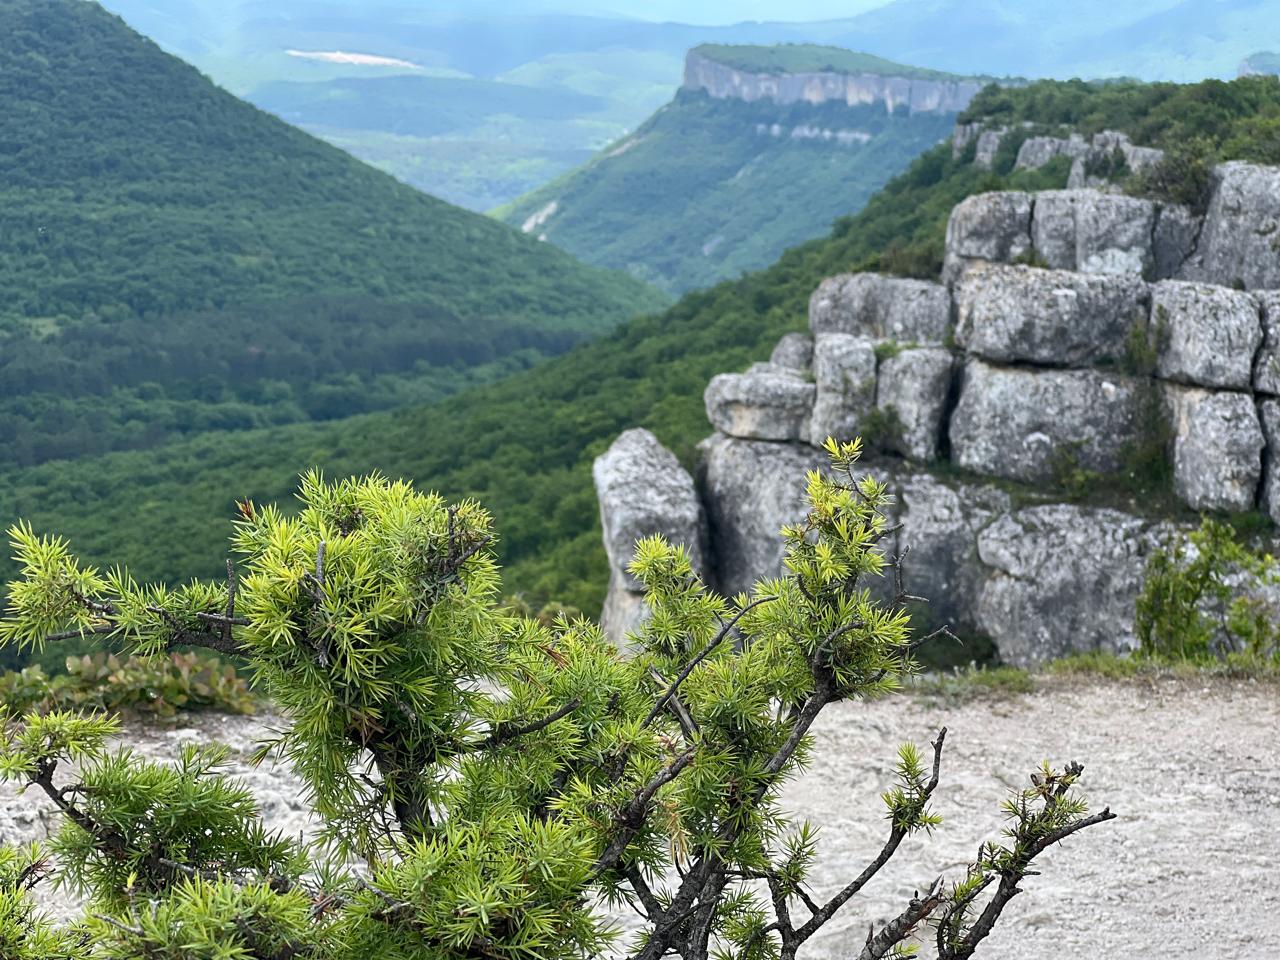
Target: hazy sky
[728,11]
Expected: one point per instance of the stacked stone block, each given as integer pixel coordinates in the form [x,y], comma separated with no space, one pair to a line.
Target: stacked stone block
[1072,328]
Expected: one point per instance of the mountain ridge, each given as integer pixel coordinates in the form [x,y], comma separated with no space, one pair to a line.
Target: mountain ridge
[139,201]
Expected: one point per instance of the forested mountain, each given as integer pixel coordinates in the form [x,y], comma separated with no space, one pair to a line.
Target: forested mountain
[722,180]
[174,260]
[525,445]
[626,55]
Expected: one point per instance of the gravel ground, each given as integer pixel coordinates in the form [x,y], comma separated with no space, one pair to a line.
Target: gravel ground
[1190,869]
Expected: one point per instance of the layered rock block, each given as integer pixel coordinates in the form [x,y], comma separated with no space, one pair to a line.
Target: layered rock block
[1093,232]
[1206,335]
[643,491]
[881,308]
[768,402]
[1052,317]
[1029,425]
[844,373]
[751,491]
[1266,369]
[1061,579]
[988,228]
[1217,448]
[1240,243]
[794,352]
[912,391]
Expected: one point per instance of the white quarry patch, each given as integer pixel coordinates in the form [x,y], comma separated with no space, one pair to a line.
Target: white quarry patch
[540,218]
[845,137]
[623,147]
[357,59]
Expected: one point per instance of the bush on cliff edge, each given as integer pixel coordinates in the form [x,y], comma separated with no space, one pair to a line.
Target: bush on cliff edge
[485,779]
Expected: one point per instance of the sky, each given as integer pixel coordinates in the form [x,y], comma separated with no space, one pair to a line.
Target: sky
[724,11]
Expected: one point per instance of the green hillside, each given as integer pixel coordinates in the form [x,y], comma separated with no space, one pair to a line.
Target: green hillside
[173,259]
[709,188]
[525,445]
[811,58]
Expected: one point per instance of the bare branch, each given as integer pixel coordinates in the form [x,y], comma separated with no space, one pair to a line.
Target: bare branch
[505,733]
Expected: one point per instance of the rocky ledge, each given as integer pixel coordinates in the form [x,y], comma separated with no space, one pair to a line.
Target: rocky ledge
[1140,331]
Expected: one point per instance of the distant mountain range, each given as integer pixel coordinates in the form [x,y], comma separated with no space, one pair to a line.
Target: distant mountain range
[173,260]
[479,148]
[760,150]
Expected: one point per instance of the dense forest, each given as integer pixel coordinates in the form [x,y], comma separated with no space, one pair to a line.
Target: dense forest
[709,188]
[524,445]
[173,259]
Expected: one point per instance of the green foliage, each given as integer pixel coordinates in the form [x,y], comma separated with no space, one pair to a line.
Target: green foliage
[709,188]
[544,426]
[483,779]
[882,428]
[813,58]
[155,685]
[1197,125]
[1206,595]
[174,260]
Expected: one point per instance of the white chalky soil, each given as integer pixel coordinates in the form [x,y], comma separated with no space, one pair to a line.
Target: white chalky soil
[1191,869]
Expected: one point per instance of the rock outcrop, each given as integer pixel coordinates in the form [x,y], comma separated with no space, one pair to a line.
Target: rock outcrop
[1240,243]
[1068,342]
[1217,448]
[751,493]
[844,372]
[881,308]
[1049,317]
[1061,579]
[643,491]
[1206,335]
[917,94]
[1032,425]
[768,402]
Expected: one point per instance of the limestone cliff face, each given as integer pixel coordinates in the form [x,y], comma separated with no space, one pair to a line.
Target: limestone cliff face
[919,95]
[1140,322]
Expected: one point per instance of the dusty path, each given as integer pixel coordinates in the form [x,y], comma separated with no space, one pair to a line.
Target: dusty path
[1191,868]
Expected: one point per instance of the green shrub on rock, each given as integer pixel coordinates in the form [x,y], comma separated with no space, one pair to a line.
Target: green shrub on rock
[1207,596]
[160,685]
[485,779]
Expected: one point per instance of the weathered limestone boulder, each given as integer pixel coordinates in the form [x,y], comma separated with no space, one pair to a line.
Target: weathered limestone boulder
[1217,448]
[913,386]
[1102,150]
[751,490]
[1061,579]
[1174,242]
[1093,232]
[984,154]
[1240,242]
[1030,424]
[767,402]
[844,372]
[1051,317]
[643,491]
[1035,152]
[940,527]
[988,227]
[964,134]
[1269,501]
[881,308]
[794,351]
[1206,335]
[1266,370]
